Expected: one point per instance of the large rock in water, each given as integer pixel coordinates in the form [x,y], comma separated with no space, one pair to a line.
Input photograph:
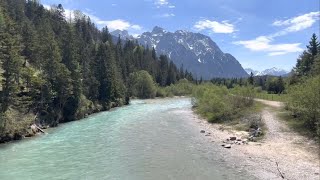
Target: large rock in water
[196,52]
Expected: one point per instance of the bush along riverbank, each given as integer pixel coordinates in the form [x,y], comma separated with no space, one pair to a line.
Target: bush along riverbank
[234,108]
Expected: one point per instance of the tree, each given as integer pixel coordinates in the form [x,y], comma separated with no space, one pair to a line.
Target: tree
[61,70]
[11,60]
[251,79]
[314,45]
[316,67]
[163,75]
[141,85]
[280,86]
[307,59]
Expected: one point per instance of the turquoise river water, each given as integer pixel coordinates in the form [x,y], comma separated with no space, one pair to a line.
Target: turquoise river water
[149,139]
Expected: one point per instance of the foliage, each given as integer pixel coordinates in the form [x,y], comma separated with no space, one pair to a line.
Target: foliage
[217,104]
[304,103]
[181,88]
[141,85]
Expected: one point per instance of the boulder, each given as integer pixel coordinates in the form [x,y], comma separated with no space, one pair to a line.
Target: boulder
[202,131]
[227,146]
[233,138]
[253,139]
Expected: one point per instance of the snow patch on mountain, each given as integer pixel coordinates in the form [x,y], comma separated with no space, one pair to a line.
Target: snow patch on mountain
[194,51]
[271,72]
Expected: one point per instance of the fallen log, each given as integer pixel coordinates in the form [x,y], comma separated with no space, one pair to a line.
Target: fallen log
[39,129]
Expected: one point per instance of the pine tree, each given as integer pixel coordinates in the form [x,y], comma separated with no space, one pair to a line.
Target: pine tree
[251,79]
[11,60]
[280,85]
[314,45]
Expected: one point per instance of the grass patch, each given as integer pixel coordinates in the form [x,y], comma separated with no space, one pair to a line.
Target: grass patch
[248,118]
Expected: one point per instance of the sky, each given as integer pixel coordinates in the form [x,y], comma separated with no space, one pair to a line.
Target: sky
[259,34]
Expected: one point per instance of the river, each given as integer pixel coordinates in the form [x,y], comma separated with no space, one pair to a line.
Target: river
[149,139]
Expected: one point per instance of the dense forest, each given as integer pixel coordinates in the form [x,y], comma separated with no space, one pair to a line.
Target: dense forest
[56,69]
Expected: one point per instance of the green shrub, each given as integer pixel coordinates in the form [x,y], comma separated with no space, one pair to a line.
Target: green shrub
[141,85]
[212,102]
[304,103]
[217,104]
[13,122]
[161,92]
[182,88]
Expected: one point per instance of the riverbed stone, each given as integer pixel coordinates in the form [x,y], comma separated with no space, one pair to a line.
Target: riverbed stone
[233,138]
[227,146]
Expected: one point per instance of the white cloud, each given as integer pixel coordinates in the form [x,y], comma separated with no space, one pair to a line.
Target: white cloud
[112,24]
[115,24]
[113,4]
[161,2]
[214,26]
[167,15]
[136,27]
[298,23]
[295,24]
[264,44]
[68,13]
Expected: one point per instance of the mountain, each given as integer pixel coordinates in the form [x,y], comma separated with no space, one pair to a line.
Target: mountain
[249,71]
[196,52]
[123,34]
[271,72]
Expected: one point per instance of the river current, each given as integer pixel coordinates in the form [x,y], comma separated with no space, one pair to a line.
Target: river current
[149,139]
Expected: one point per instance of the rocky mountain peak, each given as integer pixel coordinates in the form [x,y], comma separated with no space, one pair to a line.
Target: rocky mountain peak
[195,51]
[198,53]
[124,34]
[158,30]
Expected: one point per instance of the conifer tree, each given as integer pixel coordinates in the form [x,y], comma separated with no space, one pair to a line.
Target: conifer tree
[11,60]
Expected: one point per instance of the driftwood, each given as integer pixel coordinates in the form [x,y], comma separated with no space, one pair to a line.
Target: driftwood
[40,129]
[281,174]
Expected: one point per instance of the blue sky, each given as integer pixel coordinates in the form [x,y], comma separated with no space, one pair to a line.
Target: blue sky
[260,34]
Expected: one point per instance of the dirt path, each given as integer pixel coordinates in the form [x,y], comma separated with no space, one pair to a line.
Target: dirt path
[297,156]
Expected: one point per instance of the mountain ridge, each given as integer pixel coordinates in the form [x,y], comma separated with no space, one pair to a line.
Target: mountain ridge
[194,51]
[271,71]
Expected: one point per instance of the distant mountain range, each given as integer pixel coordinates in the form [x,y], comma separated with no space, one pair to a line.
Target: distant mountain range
[196,52]
[123,34]
[271,72]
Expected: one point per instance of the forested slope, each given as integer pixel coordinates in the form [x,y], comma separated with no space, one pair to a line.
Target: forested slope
[55,69]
